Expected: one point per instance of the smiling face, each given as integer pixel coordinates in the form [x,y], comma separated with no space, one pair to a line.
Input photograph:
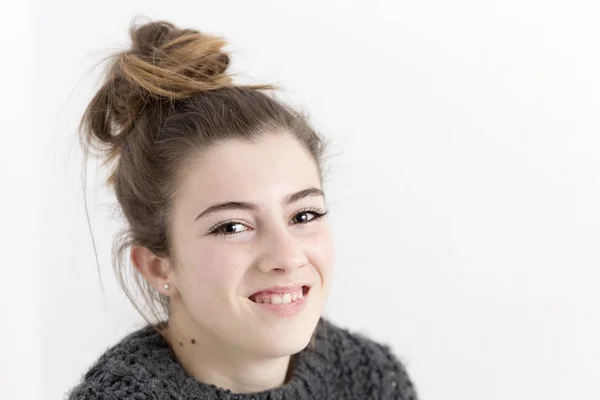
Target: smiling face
[247,218]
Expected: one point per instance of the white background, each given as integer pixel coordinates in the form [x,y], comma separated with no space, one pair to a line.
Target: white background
[463,182]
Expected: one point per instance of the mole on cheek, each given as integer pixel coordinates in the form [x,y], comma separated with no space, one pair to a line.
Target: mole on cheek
[193,341]
[181,343]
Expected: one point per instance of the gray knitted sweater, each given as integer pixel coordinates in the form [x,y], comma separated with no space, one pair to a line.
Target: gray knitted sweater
[341,365]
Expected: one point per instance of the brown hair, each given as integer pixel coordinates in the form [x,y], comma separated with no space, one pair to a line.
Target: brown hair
[162,101]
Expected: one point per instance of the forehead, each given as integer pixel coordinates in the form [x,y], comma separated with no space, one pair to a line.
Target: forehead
[271,166]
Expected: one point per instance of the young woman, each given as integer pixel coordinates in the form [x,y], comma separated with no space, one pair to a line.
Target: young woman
[221,188]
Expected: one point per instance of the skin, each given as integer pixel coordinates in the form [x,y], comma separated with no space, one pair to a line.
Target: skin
[218,334]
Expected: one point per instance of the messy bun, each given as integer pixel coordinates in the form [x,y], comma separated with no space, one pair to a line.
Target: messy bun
[175,63]
[163,101]
[163,63]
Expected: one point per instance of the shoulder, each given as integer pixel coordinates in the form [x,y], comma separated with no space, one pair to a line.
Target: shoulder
[123,371]
[369,365]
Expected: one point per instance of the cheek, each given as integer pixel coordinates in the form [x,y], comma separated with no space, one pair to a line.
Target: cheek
[210,270]
[321,252]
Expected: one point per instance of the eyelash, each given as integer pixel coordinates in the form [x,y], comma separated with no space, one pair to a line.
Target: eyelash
[318,214]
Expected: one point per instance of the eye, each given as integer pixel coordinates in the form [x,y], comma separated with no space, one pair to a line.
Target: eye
[228,228]
[307,216]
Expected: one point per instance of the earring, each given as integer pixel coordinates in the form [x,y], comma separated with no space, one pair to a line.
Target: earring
[167,286]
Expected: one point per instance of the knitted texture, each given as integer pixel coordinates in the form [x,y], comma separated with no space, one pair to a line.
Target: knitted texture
[341,365]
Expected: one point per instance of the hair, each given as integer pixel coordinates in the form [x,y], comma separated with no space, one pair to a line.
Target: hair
[162,101]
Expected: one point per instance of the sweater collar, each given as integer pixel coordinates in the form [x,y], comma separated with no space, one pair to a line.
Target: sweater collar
[309,379]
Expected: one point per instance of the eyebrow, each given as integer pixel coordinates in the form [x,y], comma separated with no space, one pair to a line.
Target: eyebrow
[247,206]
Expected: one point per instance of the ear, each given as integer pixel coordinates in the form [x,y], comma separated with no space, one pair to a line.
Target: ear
[156,270]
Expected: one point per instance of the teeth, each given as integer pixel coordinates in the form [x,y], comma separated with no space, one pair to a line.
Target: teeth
[285,298]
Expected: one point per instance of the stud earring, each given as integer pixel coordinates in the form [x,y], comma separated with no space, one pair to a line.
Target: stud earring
[167,286]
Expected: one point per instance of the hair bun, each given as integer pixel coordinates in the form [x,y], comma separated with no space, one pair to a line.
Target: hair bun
[163,63]
[169,62]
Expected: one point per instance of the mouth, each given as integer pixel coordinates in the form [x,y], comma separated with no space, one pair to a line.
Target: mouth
[280,297]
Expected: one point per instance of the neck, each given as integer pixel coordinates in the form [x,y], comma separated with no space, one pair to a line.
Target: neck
[211,361]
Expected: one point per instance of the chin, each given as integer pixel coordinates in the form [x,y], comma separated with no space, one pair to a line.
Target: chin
[285,337]
[286,346]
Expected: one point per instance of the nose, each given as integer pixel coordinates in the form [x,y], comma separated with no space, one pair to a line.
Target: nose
[280,250]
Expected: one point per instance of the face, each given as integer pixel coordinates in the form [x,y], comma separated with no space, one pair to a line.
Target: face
[249,236]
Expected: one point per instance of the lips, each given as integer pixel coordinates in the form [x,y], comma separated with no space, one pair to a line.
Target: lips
[280,295]
[281,302]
